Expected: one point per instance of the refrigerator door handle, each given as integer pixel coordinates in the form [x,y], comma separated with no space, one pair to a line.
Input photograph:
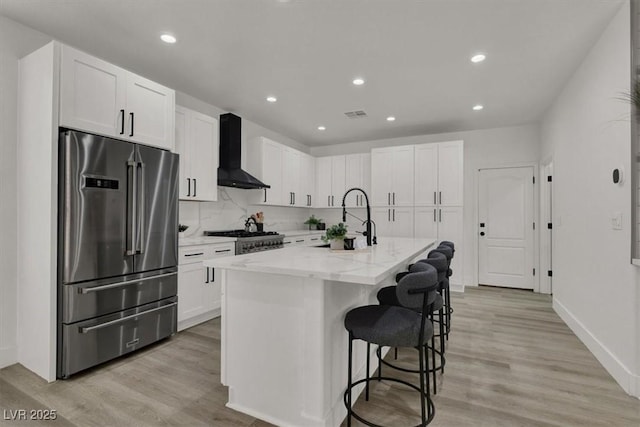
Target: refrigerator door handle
[120,284]
[124,319]
[141,193]
[132,208]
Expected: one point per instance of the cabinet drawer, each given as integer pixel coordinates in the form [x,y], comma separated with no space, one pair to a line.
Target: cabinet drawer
[191,254]
[226,249]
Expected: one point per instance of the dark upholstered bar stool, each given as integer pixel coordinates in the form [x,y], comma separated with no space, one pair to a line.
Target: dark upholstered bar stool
[406,325]
[448,253]
[387,296]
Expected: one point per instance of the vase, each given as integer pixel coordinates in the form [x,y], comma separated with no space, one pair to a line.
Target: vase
[336,244]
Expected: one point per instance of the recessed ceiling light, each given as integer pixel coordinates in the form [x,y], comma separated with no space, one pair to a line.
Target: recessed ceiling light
[272,98]
[168,38]
[391,119]
[321,128]
[478,107]
[358,81]
[478,58]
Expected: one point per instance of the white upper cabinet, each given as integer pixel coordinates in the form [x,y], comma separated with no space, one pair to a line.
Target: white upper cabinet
[291,185]
[392,176]
[450,173]
[426,175]
[330,181]
[272,164]
[307,180]
[197,142]
[101,98]
[358,175]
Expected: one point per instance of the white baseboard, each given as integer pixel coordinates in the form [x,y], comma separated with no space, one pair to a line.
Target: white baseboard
[623,376]
[7,356]
[200,318]
[456,287]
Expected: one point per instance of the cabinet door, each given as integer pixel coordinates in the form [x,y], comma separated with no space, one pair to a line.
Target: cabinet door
[92,94]
[203,139]
[190,291]
[426,175]
[338,170]
[450,173]
[353,178]
[450,227]
[182,150]
[381,182]
[382,218]
[426,222]
[402,176]
[150,112]
[402,221]
[365,171]
[272,172]
[307,179]
[323,182]
[291,178]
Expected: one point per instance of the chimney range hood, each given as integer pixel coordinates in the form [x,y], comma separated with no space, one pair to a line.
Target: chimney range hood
[230,173]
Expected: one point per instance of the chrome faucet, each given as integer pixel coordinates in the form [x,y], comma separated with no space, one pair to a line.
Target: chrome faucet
[368,221]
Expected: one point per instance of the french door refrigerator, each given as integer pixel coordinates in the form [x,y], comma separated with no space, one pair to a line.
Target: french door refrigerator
[118,252]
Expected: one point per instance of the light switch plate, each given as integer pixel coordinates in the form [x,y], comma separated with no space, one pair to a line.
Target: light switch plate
[616,221]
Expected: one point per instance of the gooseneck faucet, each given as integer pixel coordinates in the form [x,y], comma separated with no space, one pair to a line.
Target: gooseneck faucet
[344,211]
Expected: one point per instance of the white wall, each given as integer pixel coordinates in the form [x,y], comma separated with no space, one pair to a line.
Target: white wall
[15,42]
[587,133]
[482,148]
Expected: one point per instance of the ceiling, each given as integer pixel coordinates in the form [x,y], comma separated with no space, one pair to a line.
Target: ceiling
[413,55]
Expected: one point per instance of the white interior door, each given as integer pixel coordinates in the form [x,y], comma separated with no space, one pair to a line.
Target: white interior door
[505,213]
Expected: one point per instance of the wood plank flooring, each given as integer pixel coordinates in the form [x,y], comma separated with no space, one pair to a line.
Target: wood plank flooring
[511,361]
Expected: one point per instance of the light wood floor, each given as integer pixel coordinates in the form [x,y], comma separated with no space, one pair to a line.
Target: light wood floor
[510,362]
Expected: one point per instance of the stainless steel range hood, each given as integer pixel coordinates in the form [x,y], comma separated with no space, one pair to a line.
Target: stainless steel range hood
[230,174]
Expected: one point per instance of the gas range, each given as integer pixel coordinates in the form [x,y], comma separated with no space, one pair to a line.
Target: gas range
[251,241]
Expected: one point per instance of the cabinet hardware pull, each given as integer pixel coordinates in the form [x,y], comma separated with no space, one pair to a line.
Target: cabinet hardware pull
[332,201]
[189,185]
[207,275]
[294,198]
[328,200]
[299,241]
[434,198]
[434,213]
[394,199]
[196,254]
[389,215]
[440,197]
[120,284]
[265,195]
[122,127]
[394,215]
[131,114]
[388,198]
[124,319]
[440,214]
[213,274]
[195,191]
[223,250]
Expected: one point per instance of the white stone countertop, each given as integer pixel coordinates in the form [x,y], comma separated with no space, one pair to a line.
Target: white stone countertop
[204,240]
[365,266]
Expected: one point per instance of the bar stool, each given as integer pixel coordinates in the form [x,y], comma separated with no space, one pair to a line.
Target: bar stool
[387,296]
[396,326]
[448,253]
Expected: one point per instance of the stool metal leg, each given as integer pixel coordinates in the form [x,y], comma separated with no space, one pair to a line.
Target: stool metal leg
[366,374]
[441,317]
[349,381]
[379,354]
[423,374]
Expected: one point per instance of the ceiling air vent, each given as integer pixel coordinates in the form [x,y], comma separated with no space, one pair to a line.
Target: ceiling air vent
[355,114]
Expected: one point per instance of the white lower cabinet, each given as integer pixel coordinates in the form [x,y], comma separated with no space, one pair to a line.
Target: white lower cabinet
[199,287]
[303,240]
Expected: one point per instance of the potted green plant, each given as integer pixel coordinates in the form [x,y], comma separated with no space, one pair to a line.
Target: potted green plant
[335,236]
[313,222]
[182,229]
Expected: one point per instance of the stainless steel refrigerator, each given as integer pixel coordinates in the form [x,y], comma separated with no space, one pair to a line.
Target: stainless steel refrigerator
[118,251]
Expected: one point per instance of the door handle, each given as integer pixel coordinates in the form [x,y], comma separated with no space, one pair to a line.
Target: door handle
[132,184]
[482,233]
[122,126]
[189,187]
[131,114]
[141,209]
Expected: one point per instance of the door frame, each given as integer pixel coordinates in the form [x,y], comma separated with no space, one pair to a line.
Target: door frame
[546,214]
[535,214]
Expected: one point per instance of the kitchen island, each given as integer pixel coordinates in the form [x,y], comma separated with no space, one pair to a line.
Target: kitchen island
[283,343]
